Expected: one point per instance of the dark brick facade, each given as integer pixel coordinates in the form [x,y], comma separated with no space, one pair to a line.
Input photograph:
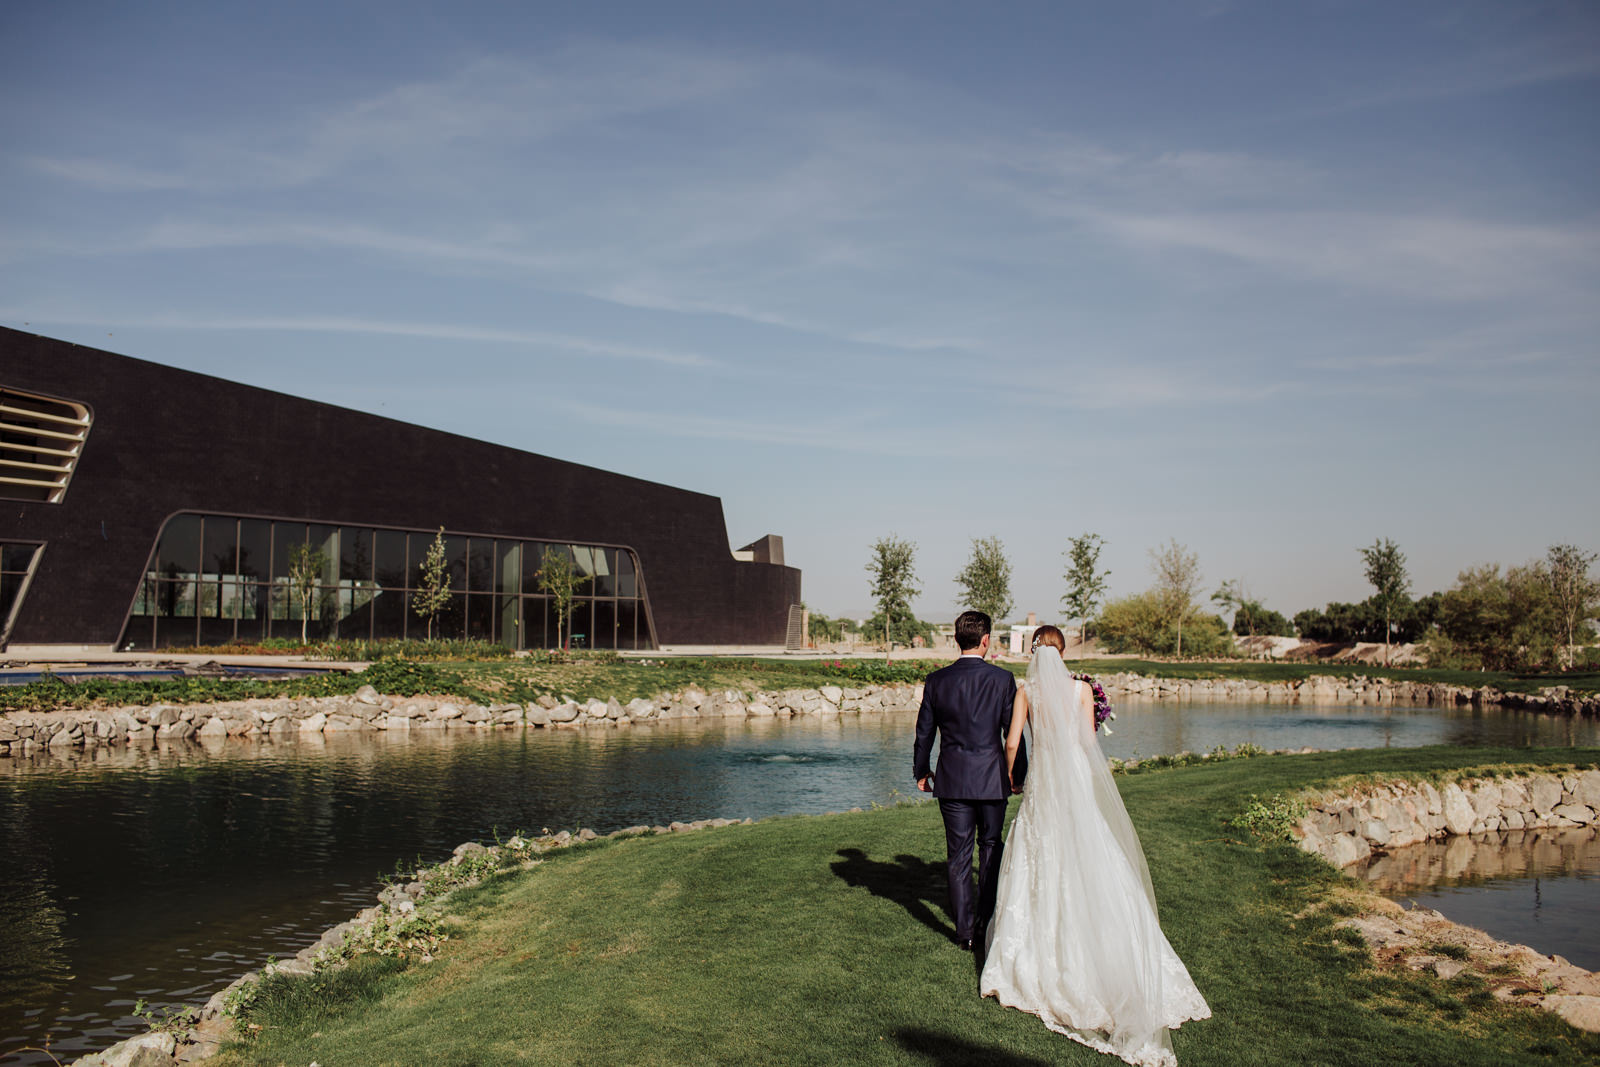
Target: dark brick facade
[166,440]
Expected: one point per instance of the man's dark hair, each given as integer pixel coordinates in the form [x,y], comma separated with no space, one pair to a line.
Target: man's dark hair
[970,628]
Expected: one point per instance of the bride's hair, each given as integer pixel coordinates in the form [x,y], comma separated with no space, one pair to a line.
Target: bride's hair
[1049,635]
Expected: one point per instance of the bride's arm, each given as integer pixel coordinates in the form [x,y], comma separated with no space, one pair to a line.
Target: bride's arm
[1086,702]
[1019,719]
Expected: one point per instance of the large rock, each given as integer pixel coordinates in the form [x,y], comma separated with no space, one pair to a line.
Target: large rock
[1545,792]
[1486,800]
[313,724]
[368,695]
[1581,1012]
[1578,813]
[177,730]
[1342,850]
[1588,789]
[145,1050]
[159,715]
[563,712]
[1458,812]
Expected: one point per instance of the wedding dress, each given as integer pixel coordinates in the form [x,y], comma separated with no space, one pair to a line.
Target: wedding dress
[1075,939]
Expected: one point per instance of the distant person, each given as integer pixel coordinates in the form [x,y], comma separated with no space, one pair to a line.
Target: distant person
[969,705]
[1075,939]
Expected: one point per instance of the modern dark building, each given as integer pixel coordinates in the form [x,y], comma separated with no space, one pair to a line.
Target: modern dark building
[147,507]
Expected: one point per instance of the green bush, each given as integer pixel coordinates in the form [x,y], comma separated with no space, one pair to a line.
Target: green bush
[1141,623]
[403,678]
[437,649]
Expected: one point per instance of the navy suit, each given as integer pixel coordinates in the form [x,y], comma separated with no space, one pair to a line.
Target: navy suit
[969,704]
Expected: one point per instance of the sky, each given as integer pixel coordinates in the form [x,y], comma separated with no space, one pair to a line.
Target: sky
[1270,280]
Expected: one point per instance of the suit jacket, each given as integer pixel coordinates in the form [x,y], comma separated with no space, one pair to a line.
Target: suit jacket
[969,704]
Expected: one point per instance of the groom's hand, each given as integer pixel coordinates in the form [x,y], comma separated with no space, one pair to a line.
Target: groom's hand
[925,784]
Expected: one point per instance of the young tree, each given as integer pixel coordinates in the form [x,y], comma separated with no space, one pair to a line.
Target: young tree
[894,580]
[986,579]
[433,591]
[306,565]
[1576,595]
[1086,583]
[559,576]
[1230,596]
[1386,570]
[1177,577]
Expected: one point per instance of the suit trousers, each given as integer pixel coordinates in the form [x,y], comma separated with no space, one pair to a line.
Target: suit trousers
[966,821]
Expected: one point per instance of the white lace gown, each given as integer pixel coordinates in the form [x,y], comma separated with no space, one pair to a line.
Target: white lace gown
[1075,939]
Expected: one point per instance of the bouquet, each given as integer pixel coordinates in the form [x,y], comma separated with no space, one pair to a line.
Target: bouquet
[1102,706]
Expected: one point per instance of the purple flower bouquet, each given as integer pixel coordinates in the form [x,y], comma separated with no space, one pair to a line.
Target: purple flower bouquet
[1102,706]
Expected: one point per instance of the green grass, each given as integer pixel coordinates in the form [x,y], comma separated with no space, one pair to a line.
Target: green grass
[824,940]
[524,679]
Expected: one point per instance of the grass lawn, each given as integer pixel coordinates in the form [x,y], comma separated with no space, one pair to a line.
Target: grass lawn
[824,940]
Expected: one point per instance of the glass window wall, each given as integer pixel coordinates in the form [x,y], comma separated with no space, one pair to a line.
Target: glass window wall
[219,579]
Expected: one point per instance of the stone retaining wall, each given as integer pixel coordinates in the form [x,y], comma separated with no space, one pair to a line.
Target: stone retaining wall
[1349,828]
[27,733]
[1325,689]
[24,733]
[1346,829]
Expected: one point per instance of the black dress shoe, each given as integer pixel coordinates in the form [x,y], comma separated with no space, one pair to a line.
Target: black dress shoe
[965,946]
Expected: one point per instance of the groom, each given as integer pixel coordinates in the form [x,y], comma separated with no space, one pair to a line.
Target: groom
[969,704]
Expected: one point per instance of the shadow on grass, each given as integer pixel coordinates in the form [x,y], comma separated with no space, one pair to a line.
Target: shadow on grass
[910,881]
[947,1050]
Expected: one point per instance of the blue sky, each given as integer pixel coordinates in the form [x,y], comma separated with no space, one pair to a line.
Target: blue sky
[1271,279]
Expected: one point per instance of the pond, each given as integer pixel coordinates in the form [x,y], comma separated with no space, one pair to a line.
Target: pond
[166,873]
[1539,888]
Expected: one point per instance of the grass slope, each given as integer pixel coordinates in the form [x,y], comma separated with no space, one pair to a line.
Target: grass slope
[824,940]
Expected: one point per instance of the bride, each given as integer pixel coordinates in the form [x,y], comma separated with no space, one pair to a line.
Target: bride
[1075,939]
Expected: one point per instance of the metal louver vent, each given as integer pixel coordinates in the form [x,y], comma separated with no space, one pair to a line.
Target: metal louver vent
[795,637]
[41,439]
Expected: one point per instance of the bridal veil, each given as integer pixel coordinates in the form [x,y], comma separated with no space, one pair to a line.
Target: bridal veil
[1075,937]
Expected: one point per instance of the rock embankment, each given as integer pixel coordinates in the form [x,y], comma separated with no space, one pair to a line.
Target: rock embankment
[1348,828]
[1326,689]
[27,733]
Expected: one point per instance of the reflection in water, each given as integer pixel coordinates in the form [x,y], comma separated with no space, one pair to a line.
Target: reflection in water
[1530,887]
[1147,728]
[164,873]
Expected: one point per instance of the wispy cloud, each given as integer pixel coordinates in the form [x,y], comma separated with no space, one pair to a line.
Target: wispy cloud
[1432,257]
[382,328]
[833,434]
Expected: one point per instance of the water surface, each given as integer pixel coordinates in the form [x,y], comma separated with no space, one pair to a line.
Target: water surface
[1539,888]
[165,873]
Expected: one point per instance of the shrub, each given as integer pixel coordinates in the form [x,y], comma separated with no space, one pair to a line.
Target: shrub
[1141,623]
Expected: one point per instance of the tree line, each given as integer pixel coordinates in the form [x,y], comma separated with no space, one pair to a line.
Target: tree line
[1537,615]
